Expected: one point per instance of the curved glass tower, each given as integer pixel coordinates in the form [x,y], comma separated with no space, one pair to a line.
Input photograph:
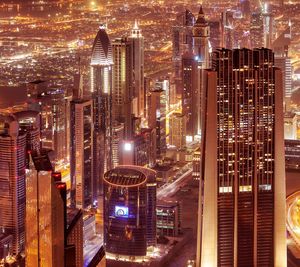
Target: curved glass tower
[101,91]
[129,211]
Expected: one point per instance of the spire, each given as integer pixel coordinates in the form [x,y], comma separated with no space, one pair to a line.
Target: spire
[136,25]
[136,32]
[201,11]
[201,17]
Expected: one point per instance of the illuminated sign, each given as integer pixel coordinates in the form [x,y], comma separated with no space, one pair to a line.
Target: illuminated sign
[121,211]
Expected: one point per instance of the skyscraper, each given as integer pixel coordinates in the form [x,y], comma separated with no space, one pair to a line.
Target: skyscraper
[123,94]
[29,123]
[45,217]
[129,211]
[227,29]
[101,91]
[268,26]
[157,118]
[53,122]
[83,181]
[140,150]
[283,61]
[201,56]
[12,182]
[242,162]
[177,130]
[138,71]
[182,38]
[118,137]
[188,87]
[257,30]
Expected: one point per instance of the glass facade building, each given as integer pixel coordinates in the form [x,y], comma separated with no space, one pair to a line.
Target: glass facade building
[83,181]
[12,182]
[101,92]
[243,162]
[129,211]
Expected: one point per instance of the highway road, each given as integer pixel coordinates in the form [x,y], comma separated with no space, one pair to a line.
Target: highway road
[171,188]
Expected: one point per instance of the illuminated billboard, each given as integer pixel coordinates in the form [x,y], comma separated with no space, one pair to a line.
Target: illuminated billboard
[121,211]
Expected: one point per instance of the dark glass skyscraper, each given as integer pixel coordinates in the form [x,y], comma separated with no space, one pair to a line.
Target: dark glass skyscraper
[243,162]
[129,211]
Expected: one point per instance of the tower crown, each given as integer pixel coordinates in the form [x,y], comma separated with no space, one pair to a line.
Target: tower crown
[201,21]
[136,31]
[102,52]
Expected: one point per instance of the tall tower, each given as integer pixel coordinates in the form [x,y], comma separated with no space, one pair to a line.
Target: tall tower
[138,71]
[227,29]
[182,43]
[53,122]
[101,91]
[12,182]
[257,30]
[268,26]
[44,215]
[123,89]
[201,40]
[242,162]
[83,182]
[157,118]
[189,71]
[201,56]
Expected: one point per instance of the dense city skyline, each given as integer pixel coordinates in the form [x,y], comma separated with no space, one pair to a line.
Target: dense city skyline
[149,133]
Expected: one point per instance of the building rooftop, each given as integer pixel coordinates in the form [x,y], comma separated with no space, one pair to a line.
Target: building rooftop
[201,18]
[128,176]
[101,52]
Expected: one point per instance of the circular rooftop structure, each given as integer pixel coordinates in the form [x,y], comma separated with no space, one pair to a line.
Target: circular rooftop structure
[128,176]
